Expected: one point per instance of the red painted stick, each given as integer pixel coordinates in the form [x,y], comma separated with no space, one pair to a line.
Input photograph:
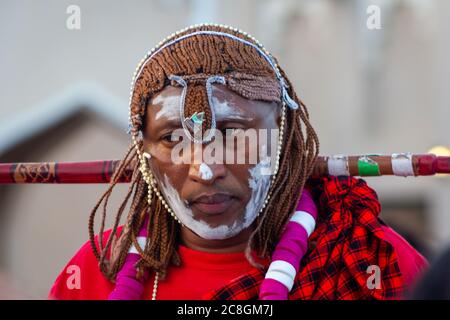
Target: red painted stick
[102,170]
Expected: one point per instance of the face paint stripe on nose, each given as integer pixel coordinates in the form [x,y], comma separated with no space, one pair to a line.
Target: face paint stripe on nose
[204,172]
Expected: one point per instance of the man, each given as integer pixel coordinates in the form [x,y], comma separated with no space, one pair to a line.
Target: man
[209,219]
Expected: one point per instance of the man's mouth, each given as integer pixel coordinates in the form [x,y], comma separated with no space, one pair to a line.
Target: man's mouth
[213,204]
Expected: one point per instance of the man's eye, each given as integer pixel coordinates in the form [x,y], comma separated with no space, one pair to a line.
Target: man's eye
[232,131]
[169,138]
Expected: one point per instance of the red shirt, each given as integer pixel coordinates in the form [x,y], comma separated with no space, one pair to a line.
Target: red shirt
[200,273]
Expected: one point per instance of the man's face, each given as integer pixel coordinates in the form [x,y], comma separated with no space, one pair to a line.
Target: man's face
[215,196]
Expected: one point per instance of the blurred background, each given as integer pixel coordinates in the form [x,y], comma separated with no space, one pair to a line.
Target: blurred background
[64,91]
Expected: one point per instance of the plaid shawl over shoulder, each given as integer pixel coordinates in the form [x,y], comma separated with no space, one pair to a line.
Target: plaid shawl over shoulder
[347,240]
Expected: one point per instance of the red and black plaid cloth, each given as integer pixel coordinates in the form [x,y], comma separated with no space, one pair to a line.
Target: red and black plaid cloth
[347,240]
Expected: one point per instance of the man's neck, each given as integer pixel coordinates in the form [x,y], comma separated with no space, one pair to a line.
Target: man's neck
[237,243]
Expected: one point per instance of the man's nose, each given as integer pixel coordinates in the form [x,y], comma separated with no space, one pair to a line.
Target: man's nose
[207,173]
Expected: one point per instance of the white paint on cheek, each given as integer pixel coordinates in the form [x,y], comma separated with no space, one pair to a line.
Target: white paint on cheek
[259,182]
[170,107]
[268,162]
[205,172]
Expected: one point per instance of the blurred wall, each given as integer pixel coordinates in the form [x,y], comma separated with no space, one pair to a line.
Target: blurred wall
[368,91]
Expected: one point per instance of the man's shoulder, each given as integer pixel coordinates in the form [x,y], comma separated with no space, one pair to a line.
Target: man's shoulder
[81,278]
[410,261]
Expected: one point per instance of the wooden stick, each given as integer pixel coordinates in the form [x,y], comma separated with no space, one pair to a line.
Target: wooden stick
[101,171]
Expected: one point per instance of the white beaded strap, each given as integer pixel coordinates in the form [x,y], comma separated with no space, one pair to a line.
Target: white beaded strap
[304,219]
[141,241]
[402,164]
[282,272]
[209,82]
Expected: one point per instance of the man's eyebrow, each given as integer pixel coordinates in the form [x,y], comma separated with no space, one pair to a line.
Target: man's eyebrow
[235,118]
[166,124]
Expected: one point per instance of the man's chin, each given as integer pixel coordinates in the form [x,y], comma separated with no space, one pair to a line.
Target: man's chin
[227,218]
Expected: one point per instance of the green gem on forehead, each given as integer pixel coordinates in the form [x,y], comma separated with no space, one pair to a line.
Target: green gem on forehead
[195,120]
[198,118]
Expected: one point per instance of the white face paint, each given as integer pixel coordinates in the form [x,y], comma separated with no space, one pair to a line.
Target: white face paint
[170,106]
[225,110]
[204,172]
[258,182]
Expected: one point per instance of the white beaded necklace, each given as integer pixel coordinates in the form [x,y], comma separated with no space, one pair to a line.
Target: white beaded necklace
[155,286]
